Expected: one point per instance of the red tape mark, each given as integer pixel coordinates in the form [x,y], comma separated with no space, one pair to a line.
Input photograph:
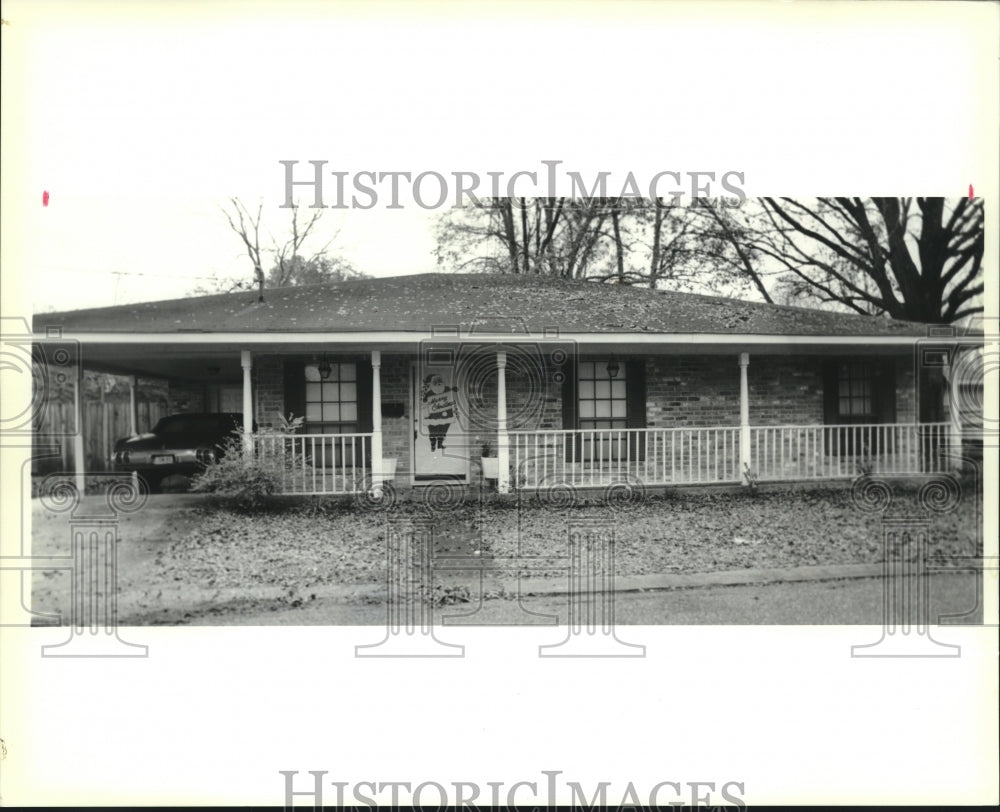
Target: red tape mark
[45,198]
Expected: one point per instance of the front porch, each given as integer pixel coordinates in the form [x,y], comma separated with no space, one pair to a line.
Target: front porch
[533,458]
[561,416]
[555,382]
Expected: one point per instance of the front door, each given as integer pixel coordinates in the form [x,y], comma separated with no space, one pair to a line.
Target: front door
[440,441]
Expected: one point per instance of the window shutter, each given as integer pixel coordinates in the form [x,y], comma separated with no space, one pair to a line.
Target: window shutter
[364,396]
[365,423]
[570,409]
[884,388]
[831,412]
[635,393]
[635,405]
[831,415]
[295,388]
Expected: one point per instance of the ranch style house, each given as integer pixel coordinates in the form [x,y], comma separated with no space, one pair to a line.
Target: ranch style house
[534,383]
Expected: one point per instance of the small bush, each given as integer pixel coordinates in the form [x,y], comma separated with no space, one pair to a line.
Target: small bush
[245,482]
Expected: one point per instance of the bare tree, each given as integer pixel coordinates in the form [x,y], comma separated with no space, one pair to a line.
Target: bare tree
[723,240]
[543,236]
[627,241]
[286,260]
[918,259]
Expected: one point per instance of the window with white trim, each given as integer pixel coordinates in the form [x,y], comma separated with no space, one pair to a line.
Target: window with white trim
[331,402]
[855,381]
[603,402]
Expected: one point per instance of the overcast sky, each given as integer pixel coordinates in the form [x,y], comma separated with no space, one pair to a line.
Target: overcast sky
[139,120]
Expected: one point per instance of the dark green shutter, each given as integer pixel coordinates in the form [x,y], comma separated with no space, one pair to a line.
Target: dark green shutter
[635,405]
[831,407]
[884,390]
[884,397]
[295,388]
[831,393]
[365,422]
[931,389]
[570,409]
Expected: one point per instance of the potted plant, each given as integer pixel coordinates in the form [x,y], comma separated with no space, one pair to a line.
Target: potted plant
[489,462]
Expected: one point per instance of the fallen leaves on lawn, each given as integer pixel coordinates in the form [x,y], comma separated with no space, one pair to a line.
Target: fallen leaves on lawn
[300,548]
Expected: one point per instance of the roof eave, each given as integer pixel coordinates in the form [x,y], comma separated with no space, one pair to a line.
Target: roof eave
[251,339]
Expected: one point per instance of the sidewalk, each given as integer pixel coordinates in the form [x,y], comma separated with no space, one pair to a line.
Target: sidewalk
[529,587]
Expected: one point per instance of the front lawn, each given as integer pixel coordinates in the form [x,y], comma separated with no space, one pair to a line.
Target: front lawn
[305,545]
[698,532]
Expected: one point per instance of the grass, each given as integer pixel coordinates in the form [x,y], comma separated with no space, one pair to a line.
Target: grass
[313,543]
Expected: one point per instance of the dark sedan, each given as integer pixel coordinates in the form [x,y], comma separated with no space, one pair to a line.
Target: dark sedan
[179,444]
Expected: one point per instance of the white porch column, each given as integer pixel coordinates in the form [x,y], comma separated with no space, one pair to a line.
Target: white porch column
[954,410]
[745,461]
[79,463]
[378,475]
[246,361]
[503,441]
[133,406]
[133,420]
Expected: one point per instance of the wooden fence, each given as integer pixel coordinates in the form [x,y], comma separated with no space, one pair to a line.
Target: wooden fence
[104,422]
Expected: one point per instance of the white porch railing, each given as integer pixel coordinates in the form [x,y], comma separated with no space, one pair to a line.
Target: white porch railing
[601,456]
[834,452]
[681,456]
[317,464]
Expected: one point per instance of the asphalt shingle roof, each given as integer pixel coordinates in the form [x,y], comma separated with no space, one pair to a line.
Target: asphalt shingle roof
[419,303]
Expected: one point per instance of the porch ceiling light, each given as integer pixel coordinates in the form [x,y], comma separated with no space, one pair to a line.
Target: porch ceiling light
[324,369]
[613,367]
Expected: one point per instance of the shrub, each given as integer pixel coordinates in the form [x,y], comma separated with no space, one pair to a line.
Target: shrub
[246,482]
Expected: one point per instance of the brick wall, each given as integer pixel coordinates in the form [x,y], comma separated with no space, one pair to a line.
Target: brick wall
[396,431]
[692,391]
[785,390]
[534,395]
[268,384]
